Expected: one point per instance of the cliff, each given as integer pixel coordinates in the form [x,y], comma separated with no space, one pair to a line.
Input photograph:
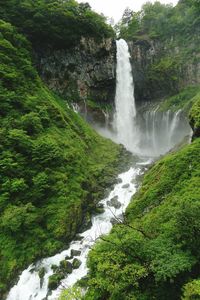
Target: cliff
[161,68]
[86,71]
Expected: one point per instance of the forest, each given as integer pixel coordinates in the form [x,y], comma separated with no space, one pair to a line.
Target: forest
[55,168]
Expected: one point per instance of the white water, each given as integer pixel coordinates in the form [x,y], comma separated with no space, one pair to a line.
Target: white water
[161,131]
[124,119]
[148,132]
[152,135]
[29,285]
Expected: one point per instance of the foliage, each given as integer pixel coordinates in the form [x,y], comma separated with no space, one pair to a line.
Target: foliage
[195,115]
[53,22]
[183,100]
[53,166]
[161,21]
[166,46]
[73,293]
[155,252]
[192,290]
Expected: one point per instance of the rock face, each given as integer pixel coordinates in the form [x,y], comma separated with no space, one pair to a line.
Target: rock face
[148,53]
[86,71]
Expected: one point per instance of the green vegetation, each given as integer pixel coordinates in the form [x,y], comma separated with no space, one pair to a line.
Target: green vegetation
[169,41]
[155,252]
[195,115]
[183,100]
[55,23]
[161,21]
[53,166]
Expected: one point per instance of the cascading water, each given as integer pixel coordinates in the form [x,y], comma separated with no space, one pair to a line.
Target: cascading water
[31,287]
[151,133]
[161,131]
[124,118]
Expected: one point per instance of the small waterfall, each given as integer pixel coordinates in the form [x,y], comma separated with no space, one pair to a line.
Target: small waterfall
[160,131]
[124,118]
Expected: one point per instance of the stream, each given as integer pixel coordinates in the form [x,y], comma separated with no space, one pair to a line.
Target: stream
[29,286]
[148,136]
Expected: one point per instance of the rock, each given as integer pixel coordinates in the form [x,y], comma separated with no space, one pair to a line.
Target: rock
[119,180]
[65,267]
[54,281]
[117,220]
[126,186]
[78,237]
[113,221]
[114,202]
[75,253]
[76,263]
[54,268]
[67,257]
[87,70]
[87,223]
[41,272]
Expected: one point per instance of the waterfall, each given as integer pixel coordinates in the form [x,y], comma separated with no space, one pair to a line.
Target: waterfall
[125,111]
[159,131]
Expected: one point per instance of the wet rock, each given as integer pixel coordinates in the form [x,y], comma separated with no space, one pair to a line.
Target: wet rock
[87,223]
[78,237]
[41,272]
[65,267]
[54,268]
[119,180]
[126,186]
[67,257]
[54,281]
[114,221]
[117,220]
[76,263]
[114,202]
[75,253]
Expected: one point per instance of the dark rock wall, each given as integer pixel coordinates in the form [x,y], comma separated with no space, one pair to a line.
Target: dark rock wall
[146,53]
[87,71]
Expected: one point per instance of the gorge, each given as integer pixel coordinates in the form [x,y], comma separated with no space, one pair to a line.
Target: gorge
[99,152]
[126,131]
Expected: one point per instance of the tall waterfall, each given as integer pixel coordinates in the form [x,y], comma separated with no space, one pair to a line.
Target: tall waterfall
[125,113]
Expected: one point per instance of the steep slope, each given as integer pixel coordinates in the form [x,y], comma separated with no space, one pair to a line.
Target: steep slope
[53,166]
[154,253]
[164,44]
[73,46]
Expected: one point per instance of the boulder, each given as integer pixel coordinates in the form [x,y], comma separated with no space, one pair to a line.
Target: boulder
[75,253]
[76,263]
[65,267]
[126,186]
[54,281]
[114,202]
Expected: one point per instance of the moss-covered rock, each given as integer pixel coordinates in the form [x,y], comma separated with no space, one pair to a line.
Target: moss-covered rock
[76,263]
[65,266]
[54,281]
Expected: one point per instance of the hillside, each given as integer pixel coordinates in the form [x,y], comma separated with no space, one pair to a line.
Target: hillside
[154,253]
[164,45]
[54,167]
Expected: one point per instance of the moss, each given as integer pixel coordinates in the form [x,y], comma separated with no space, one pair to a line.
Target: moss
[194,115]
[155,252]
[54,281]
[53,165]
[183,100]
